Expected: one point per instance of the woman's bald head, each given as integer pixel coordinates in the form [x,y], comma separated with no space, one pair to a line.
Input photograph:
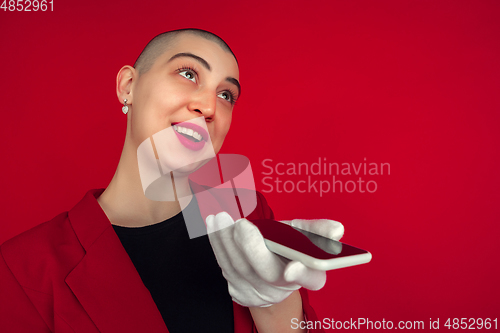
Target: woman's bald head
[159,44]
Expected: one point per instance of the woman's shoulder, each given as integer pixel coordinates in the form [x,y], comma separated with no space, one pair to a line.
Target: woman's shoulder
[59,235]
[41,235]
[51,246]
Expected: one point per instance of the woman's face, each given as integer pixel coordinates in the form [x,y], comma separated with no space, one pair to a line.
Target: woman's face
[194,78]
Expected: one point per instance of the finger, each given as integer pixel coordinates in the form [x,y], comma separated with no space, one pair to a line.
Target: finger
[210,223]
[251,297]
[222,254]
[224,241]
[323,227]
[296,272]
[289,222]
[326,244]
[251,243]
[222,221]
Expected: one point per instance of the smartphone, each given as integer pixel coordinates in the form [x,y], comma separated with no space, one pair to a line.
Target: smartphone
[312,250]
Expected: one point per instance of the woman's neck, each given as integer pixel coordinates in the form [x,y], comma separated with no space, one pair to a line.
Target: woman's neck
[125,203]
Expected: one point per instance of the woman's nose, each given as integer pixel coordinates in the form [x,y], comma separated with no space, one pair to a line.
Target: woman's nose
[204,103]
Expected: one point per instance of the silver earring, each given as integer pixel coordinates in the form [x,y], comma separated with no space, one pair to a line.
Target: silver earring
[125,107]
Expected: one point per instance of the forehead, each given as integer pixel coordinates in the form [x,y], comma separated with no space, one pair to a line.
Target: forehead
[220,60]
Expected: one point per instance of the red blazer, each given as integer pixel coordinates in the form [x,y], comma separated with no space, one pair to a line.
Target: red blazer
[72,274]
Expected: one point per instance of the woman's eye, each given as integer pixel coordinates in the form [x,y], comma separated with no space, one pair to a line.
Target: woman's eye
[188,75]
[227,96]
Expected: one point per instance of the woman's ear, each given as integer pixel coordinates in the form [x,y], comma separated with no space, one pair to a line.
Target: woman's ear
[126,76]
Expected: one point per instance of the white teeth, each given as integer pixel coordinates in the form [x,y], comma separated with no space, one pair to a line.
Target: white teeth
[188,131]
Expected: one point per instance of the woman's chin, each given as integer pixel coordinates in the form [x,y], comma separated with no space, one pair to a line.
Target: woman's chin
[187,169]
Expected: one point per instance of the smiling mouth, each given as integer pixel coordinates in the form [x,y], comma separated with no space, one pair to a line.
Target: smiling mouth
[188,133]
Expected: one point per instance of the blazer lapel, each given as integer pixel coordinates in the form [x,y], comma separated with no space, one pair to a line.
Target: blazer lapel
[105,281]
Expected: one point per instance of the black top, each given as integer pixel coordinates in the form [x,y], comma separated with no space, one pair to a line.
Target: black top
[181,274]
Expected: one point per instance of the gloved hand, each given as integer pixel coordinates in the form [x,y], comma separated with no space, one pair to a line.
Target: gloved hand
[255,275]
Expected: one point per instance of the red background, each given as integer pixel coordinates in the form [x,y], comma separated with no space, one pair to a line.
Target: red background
[410,83]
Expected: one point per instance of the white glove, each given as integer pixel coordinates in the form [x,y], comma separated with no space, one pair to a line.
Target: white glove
[255,275]
[327,228]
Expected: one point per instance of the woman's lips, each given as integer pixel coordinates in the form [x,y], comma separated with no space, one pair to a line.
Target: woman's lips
[192,145]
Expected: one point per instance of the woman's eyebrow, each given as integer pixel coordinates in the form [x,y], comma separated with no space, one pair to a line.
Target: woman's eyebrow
[202,61]
[235,82]
[205,64]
